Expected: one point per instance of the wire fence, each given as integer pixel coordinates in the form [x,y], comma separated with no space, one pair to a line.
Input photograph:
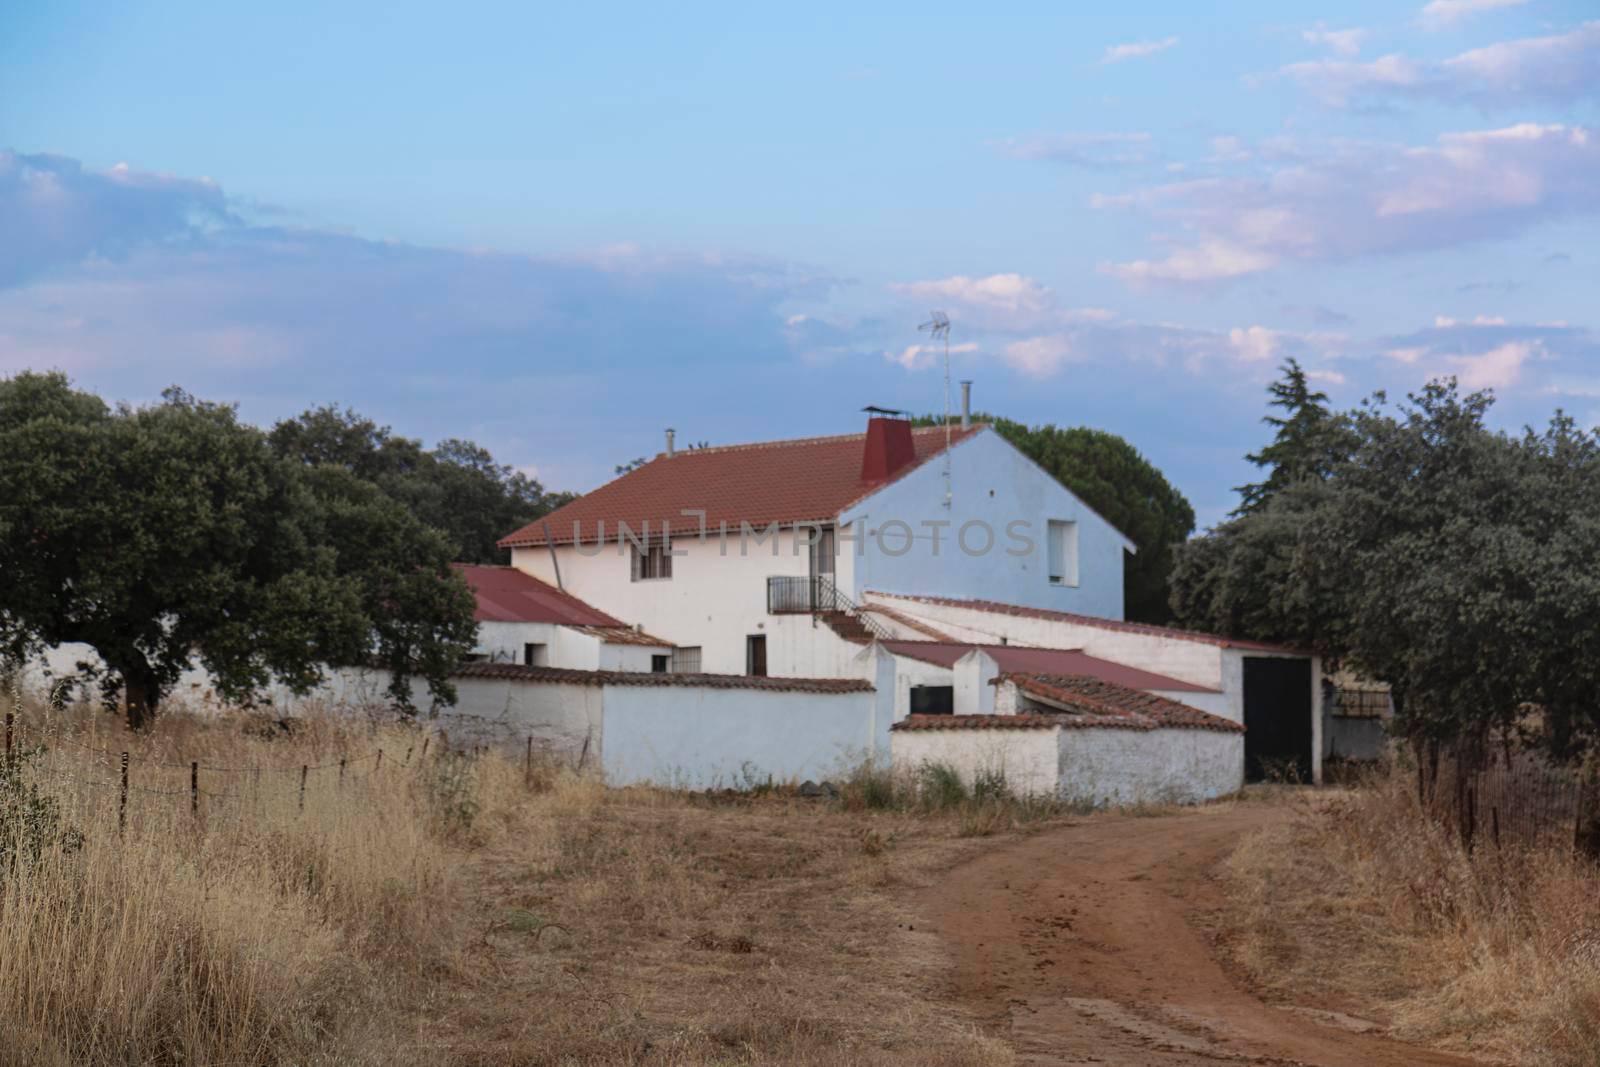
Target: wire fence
[1512,797]
[128,777]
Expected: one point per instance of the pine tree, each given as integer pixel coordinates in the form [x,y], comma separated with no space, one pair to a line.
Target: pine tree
[1309,439]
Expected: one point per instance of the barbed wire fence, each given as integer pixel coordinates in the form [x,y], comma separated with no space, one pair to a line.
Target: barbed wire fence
[126,784]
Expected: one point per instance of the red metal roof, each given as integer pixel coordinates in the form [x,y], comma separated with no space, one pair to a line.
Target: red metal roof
[1020,659]
[995,607]
[506,594]
[806,480]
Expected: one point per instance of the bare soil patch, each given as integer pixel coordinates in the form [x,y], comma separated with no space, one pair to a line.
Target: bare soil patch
[1094,942]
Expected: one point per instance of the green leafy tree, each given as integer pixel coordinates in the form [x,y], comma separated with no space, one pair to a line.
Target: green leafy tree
[1124,488]
[457,488]
[1450,560]
[1308,443]
[171,535]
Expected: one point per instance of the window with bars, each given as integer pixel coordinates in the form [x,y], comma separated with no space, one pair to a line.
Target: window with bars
[651,562]
[686,660]
[1353,703]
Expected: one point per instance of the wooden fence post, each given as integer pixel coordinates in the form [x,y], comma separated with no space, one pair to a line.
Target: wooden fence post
[341,772]
[122,798]
[378,766]
[303,770]
[194,787]
[423,758]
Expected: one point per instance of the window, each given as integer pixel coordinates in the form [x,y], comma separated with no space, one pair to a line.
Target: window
[755,655]
[535,655]
[659,664]
[933,699]
[1062,543]
[686,660]
[652,562]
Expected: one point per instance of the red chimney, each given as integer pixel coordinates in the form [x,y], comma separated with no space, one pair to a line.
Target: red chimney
[888,447]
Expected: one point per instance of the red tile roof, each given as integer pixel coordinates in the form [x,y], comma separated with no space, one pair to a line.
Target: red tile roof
[506,594]
[807,480]
[1095,702]
[516,672]
[1024,660]
[995,607]
[979,722]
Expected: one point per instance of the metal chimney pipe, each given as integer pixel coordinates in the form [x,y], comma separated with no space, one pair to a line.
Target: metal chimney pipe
[671,437]
[966,402]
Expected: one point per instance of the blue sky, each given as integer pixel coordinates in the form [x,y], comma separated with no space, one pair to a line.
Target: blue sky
[558,231]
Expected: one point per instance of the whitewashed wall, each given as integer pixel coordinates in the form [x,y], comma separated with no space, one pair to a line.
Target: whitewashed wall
[714,599]
[975,692]
[1195,662]
[704,738]
[1027,757]
[910,672]
[1112,767]
[502,641]
[993,482]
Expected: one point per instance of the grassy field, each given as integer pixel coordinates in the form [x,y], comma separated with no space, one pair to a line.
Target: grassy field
[1365,905]
[422,907]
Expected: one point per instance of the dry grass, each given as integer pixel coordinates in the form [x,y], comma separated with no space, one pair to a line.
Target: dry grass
[1367,906]
[457,911]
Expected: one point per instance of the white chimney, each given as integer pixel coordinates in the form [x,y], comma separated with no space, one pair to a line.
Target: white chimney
[966,402]
[671,436]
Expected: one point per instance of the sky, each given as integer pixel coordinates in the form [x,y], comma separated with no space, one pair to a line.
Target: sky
[559,229]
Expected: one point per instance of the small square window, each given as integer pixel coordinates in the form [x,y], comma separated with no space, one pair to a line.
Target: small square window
[652,562]
[686,660]
[535,655]
[660,664]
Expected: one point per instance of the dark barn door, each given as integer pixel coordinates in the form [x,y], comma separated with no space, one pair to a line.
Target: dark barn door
[1277,716]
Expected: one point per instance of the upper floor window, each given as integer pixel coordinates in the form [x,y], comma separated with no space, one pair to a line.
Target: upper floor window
[651,562]
[1061,542]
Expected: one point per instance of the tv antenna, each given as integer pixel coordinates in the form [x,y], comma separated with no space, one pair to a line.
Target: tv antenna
[938,326]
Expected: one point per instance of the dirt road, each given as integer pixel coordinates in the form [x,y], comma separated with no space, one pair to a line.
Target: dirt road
[1082,944]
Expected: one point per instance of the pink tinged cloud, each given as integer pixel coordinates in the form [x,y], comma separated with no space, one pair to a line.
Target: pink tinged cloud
[1498,368]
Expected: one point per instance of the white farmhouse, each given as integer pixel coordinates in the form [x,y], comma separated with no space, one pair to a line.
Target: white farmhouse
[951,575]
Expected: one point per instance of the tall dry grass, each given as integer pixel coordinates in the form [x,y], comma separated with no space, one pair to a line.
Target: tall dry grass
[260,929]
[452,910]
[1367,904]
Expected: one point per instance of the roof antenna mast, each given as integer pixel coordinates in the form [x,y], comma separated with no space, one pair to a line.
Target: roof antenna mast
[938,326]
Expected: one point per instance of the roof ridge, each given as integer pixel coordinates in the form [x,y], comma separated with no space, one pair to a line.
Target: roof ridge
[790,442]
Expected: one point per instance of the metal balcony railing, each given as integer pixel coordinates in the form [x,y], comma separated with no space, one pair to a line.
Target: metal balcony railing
[816,595]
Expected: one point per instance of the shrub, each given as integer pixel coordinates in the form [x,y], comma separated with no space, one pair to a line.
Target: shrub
[939,787]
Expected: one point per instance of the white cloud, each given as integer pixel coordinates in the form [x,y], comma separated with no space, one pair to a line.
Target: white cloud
[1361,199]
[1444,322]
[1562,68]
[1212,261]
[918,357]
[1340,42]
[1040,357]
[1332,377]
[1254,345]
[1406,355]
[1499,368]
[1006,292]
[1100,151]
[1137,50]
[1441,14]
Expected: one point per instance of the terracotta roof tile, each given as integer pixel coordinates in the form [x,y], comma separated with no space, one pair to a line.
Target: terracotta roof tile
[807,480]
[516,672]
[1095,702]
[980,722]
[1022,659]
[995,607]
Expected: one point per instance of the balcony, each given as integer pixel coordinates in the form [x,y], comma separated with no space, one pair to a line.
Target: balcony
[787,595]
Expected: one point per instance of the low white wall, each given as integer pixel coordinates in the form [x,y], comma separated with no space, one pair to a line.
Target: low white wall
[1027,757]
[1109,767]
[704,738]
